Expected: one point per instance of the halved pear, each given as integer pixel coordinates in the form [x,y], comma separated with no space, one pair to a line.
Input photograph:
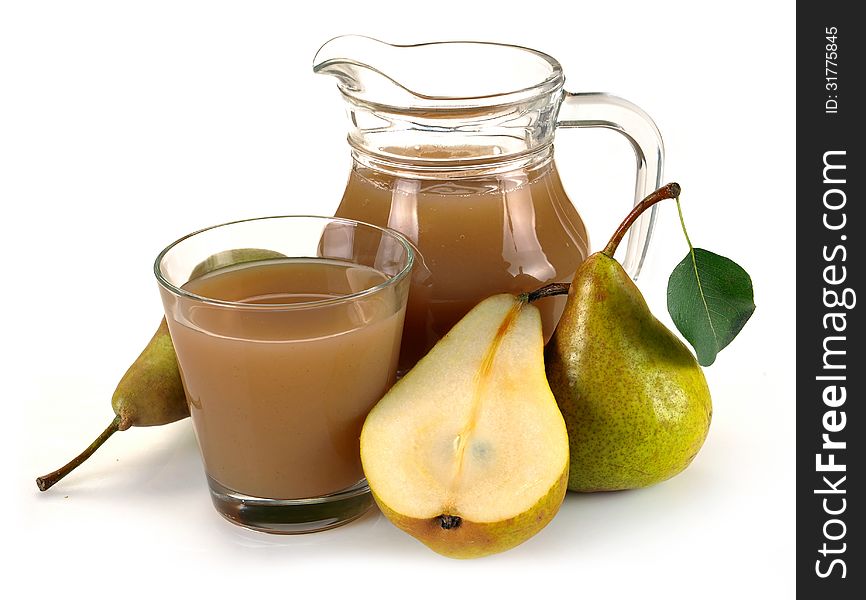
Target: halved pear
[468,452]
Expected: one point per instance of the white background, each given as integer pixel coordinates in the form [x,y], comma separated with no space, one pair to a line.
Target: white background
[125,125]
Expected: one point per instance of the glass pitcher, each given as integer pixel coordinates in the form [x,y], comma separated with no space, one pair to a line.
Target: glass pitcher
[452,145]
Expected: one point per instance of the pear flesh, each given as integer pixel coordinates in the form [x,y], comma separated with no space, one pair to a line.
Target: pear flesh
[468,452]
[635,401]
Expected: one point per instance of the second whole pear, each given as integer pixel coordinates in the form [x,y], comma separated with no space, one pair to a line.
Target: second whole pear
[634,399]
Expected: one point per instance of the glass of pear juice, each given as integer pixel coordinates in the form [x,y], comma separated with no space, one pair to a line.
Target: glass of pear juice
[287,332]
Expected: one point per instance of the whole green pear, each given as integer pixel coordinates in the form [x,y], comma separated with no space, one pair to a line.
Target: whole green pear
[151,392]
[634,399]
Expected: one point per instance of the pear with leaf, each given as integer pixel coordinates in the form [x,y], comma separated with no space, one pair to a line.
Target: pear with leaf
[634,398]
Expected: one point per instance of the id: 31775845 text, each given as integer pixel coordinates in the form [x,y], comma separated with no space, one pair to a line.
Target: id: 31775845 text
[831,71]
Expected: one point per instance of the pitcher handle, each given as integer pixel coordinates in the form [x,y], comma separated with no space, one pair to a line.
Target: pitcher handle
[604,110]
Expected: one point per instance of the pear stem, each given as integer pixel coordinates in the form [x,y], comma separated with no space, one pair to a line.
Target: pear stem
[671,190]
[46,481]
[551,289]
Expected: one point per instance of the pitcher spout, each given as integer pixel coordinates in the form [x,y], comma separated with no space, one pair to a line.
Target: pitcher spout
[355,60]
[437,74]
[478,100]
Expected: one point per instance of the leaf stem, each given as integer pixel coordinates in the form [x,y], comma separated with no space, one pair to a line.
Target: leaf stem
[671,190]
[46,481]
[683,224]
[697,274]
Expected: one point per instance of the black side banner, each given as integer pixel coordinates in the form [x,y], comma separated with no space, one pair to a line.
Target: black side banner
[830,171]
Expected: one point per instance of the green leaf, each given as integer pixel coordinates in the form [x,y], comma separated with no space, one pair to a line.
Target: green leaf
[710,298]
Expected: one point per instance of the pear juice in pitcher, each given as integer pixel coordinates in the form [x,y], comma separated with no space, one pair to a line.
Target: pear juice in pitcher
[506,229]
[453,147]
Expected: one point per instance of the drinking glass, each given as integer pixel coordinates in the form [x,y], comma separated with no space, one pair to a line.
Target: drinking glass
[287,332]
